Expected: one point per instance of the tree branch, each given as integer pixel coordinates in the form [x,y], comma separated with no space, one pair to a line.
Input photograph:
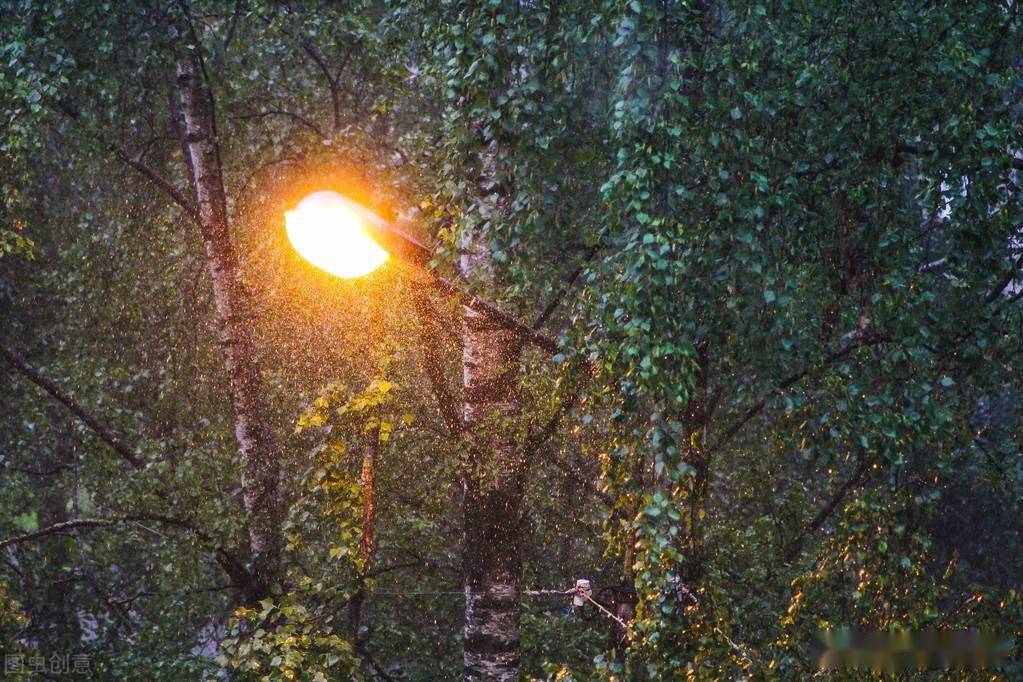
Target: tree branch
[236,571]
[298,118]
[57,468]
[241,577]
[151,175]
[117,611]
[759,406]
[360,649]
[537,338]
[417,564]
[576,475]
[429,343]
[100,429]
[1005,281]
[416,264]
[826,511]
[333,82]
[170,190]
[415,257]
[541,435]
[552,305]
[62,527]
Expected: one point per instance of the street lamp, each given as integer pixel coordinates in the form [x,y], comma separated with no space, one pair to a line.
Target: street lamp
[348,240]
[330,231]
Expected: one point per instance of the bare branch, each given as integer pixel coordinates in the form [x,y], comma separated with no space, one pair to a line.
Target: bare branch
[759,406]
[321,64]
[151,175]
[552,305]
[241,577]
[117,611]
[1005,281]
[417,564]
[415,256]
[57,528]
[233,25]
[430,345]
[144,170]
[543,434]
[333,81]
[98,427]
[236,571]
[826,511]
[57,468]
[576,475]
[360,649]
[287,114]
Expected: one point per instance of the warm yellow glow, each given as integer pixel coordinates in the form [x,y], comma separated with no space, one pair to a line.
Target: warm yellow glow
[329,231]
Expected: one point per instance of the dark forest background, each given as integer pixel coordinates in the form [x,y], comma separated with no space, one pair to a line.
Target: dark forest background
[772,251]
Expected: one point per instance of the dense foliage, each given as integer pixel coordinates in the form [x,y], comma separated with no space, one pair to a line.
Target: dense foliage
[779,244]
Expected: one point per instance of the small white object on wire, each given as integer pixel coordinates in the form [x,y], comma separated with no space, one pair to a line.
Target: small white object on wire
[582,592]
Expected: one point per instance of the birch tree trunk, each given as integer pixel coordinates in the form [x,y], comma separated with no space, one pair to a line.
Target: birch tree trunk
[493,486]
[261,469]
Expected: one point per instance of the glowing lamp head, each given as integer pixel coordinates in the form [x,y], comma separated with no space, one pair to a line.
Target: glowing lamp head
[329,231]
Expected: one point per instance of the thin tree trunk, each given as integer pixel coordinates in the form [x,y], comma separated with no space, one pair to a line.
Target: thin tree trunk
[493,486]
[369,500]
[50,606]
[368,541]
[261,469]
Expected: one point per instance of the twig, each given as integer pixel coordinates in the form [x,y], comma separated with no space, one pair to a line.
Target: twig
[1005,281]
[116,610]
[106,435]
[429,342]
[735,647]
[144,170]
[151,175]
[380,672]
[539,437]
[39,472]
[826,511]
[604,610]
[552,305]
[57,528]
[537,338]
[282,112]
[758,407]
[576,475]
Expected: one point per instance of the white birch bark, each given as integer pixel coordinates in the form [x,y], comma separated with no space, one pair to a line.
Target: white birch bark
[260,457]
